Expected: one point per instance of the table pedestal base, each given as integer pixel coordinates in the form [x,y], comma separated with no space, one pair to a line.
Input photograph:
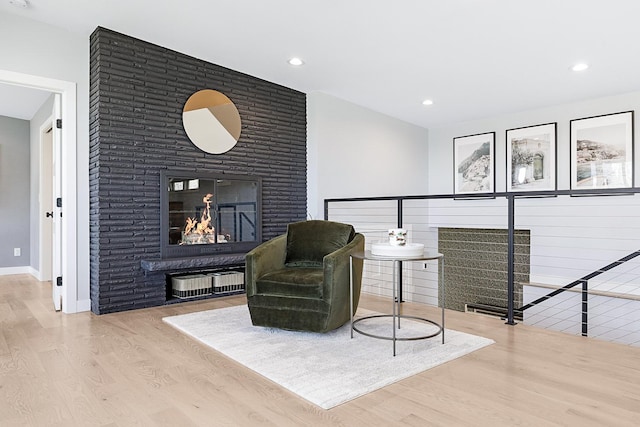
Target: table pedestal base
[394,337]
[396,316]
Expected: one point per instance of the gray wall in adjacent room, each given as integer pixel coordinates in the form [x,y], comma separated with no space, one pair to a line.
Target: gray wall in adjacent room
[14,191]
[137,94]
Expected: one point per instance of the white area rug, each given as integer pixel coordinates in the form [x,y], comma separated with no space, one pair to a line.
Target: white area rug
[325,369]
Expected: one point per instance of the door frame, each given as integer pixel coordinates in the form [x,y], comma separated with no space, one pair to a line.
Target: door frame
[68,92]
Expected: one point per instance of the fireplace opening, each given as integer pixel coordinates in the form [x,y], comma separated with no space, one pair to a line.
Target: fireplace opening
[205,214]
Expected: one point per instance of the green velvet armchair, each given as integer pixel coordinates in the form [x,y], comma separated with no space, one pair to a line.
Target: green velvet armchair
[300,280]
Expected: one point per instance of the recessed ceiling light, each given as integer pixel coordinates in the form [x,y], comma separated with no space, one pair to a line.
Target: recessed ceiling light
[580,67]
[427,102]
[296,62]
[20,3]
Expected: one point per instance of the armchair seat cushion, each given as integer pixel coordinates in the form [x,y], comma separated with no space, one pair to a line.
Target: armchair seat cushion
[295,282]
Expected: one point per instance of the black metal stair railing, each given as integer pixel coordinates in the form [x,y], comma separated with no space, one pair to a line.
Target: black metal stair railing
[511,312]
[584,281]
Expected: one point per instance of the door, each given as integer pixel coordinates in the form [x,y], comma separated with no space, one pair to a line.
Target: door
[46,202]
[56,283]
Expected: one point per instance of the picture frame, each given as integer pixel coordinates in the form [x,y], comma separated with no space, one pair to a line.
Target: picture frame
[602,151]
[531,158]
[474,164]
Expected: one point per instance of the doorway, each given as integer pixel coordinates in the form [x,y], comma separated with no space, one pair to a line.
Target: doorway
[68,288]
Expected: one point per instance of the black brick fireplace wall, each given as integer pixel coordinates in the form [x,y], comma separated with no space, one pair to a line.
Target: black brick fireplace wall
[137,94]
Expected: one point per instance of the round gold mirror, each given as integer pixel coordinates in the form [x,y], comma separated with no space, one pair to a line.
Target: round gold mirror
[212,121]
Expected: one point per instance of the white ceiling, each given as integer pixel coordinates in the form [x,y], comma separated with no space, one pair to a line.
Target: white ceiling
[19,102]
[473,58]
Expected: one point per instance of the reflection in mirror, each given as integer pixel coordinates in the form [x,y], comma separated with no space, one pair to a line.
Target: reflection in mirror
[212,121]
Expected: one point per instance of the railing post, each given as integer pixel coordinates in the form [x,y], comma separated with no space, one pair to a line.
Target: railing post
[585,307]
[399,222]
[510,259]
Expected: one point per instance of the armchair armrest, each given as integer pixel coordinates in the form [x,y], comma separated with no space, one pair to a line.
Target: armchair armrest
[269,256]
[337,275]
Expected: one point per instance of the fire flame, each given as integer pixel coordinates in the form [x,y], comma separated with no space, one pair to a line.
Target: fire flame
[202,227]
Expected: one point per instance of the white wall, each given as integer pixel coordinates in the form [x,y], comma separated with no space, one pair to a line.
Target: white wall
[570,236]
[31,47]
[441,139]
[356,152]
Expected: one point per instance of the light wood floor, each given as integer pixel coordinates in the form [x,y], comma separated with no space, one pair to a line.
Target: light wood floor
[130,369]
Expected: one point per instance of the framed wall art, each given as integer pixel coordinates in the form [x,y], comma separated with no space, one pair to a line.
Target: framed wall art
[531,158]
[474,164]
[602,151]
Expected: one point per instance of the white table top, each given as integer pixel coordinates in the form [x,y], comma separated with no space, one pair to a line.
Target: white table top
[426,255]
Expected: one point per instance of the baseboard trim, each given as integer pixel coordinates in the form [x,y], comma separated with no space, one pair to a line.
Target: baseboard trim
[7,271]
[35,273]
[83,305]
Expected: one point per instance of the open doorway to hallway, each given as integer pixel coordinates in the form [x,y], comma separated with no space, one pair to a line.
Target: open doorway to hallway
[64,284]
[28,182]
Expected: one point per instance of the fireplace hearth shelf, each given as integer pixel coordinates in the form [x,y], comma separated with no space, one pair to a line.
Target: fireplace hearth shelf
[180,273]
[174,300]
[192,263]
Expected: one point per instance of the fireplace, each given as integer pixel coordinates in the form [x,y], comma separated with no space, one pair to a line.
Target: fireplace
[206,214]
